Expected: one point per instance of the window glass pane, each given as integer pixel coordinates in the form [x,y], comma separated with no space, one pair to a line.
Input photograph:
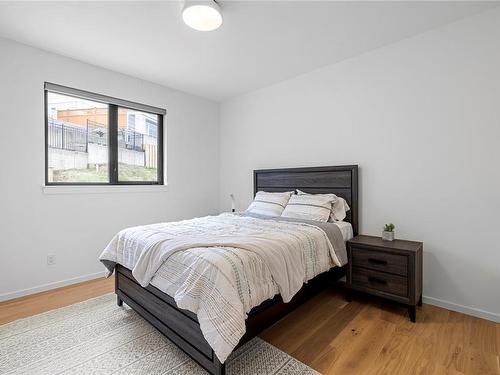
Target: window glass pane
[77,136]
[137,146]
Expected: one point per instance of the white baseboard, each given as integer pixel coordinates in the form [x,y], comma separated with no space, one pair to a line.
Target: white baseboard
[49,286]
[462,309]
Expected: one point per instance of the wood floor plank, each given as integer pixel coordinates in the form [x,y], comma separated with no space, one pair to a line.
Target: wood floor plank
[450,343]
[364,337]
[319,309]
[365,349]
[480,362]
[397,353]
[482,335]
[498,338]
[327,357]
[318,343]
[441,370]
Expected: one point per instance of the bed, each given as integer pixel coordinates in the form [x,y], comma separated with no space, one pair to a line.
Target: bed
[182,326]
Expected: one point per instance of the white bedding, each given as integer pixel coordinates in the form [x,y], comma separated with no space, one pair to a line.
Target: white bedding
[210,274]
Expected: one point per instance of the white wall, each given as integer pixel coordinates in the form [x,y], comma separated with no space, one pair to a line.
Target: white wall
[76,227]
[422,119]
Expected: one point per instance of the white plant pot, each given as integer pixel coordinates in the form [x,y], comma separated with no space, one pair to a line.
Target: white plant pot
[387,236]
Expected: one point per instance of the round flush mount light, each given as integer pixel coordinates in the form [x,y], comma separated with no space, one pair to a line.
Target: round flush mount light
[202,15]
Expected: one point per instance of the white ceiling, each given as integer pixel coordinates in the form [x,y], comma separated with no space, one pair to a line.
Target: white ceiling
[260,43]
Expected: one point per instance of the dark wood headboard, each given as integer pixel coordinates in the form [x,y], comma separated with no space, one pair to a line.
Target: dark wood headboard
[339,180]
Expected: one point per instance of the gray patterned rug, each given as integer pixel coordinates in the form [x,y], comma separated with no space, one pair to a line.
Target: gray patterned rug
[98,337]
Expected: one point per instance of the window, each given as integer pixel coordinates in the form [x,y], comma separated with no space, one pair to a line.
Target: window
[134,141]
[92,139]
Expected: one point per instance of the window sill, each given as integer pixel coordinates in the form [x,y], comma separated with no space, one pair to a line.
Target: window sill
[105,189]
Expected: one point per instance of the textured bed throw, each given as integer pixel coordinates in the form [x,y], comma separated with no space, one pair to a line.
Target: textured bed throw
[97,337]
[222,264]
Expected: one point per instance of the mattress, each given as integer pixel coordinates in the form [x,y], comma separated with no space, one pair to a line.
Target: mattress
[345,229]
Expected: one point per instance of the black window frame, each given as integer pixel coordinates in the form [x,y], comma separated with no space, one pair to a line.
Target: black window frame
[114,104]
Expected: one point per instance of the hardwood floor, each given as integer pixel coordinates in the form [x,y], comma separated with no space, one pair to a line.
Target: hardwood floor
[365,336]
[53,299]
[368,336]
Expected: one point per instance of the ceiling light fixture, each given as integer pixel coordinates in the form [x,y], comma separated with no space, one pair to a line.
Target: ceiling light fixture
[202,15]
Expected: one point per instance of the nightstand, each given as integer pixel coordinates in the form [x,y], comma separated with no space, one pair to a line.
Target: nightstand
[387,269]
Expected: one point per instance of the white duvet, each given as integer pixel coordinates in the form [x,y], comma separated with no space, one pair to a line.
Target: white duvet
[220,267]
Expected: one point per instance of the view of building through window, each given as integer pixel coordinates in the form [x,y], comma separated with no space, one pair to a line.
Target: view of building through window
[78,142]
[137,145]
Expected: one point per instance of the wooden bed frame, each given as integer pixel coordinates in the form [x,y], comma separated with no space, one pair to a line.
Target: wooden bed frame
[182,327]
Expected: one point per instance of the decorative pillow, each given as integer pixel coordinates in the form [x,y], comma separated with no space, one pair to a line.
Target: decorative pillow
[339,208]
[309,207]
[269,204]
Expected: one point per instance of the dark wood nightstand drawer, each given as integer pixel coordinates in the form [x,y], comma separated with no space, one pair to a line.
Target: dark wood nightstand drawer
[379,260]
[385,282]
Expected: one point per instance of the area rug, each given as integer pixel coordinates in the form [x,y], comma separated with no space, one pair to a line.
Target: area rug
[98,337]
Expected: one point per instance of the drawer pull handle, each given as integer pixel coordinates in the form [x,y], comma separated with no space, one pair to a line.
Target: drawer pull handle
[376,280]
[377,261]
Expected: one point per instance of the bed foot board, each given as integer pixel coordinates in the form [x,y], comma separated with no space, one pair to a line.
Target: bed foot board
[179,326]
[182,327]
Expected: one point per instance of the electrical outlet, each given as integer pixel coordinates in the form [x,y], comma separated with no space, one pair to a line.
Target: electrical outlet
[51,259]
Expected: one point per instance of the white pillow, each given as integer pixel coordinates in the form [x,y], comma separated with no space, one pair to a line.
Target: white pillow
[309,207]
[269,204]
[339,209]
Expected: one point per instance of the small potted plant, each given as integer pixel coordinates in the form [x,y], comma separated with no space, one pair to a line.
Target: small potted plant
[388,232]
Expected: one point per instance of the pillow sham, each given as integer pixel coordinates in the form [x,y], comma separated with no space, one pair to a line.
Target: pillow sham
[309,206]
[269,204]
[339,207]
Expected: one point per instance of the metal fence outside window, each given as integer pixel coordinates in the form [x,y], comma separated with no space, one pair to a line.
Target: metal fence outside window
[66,136]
